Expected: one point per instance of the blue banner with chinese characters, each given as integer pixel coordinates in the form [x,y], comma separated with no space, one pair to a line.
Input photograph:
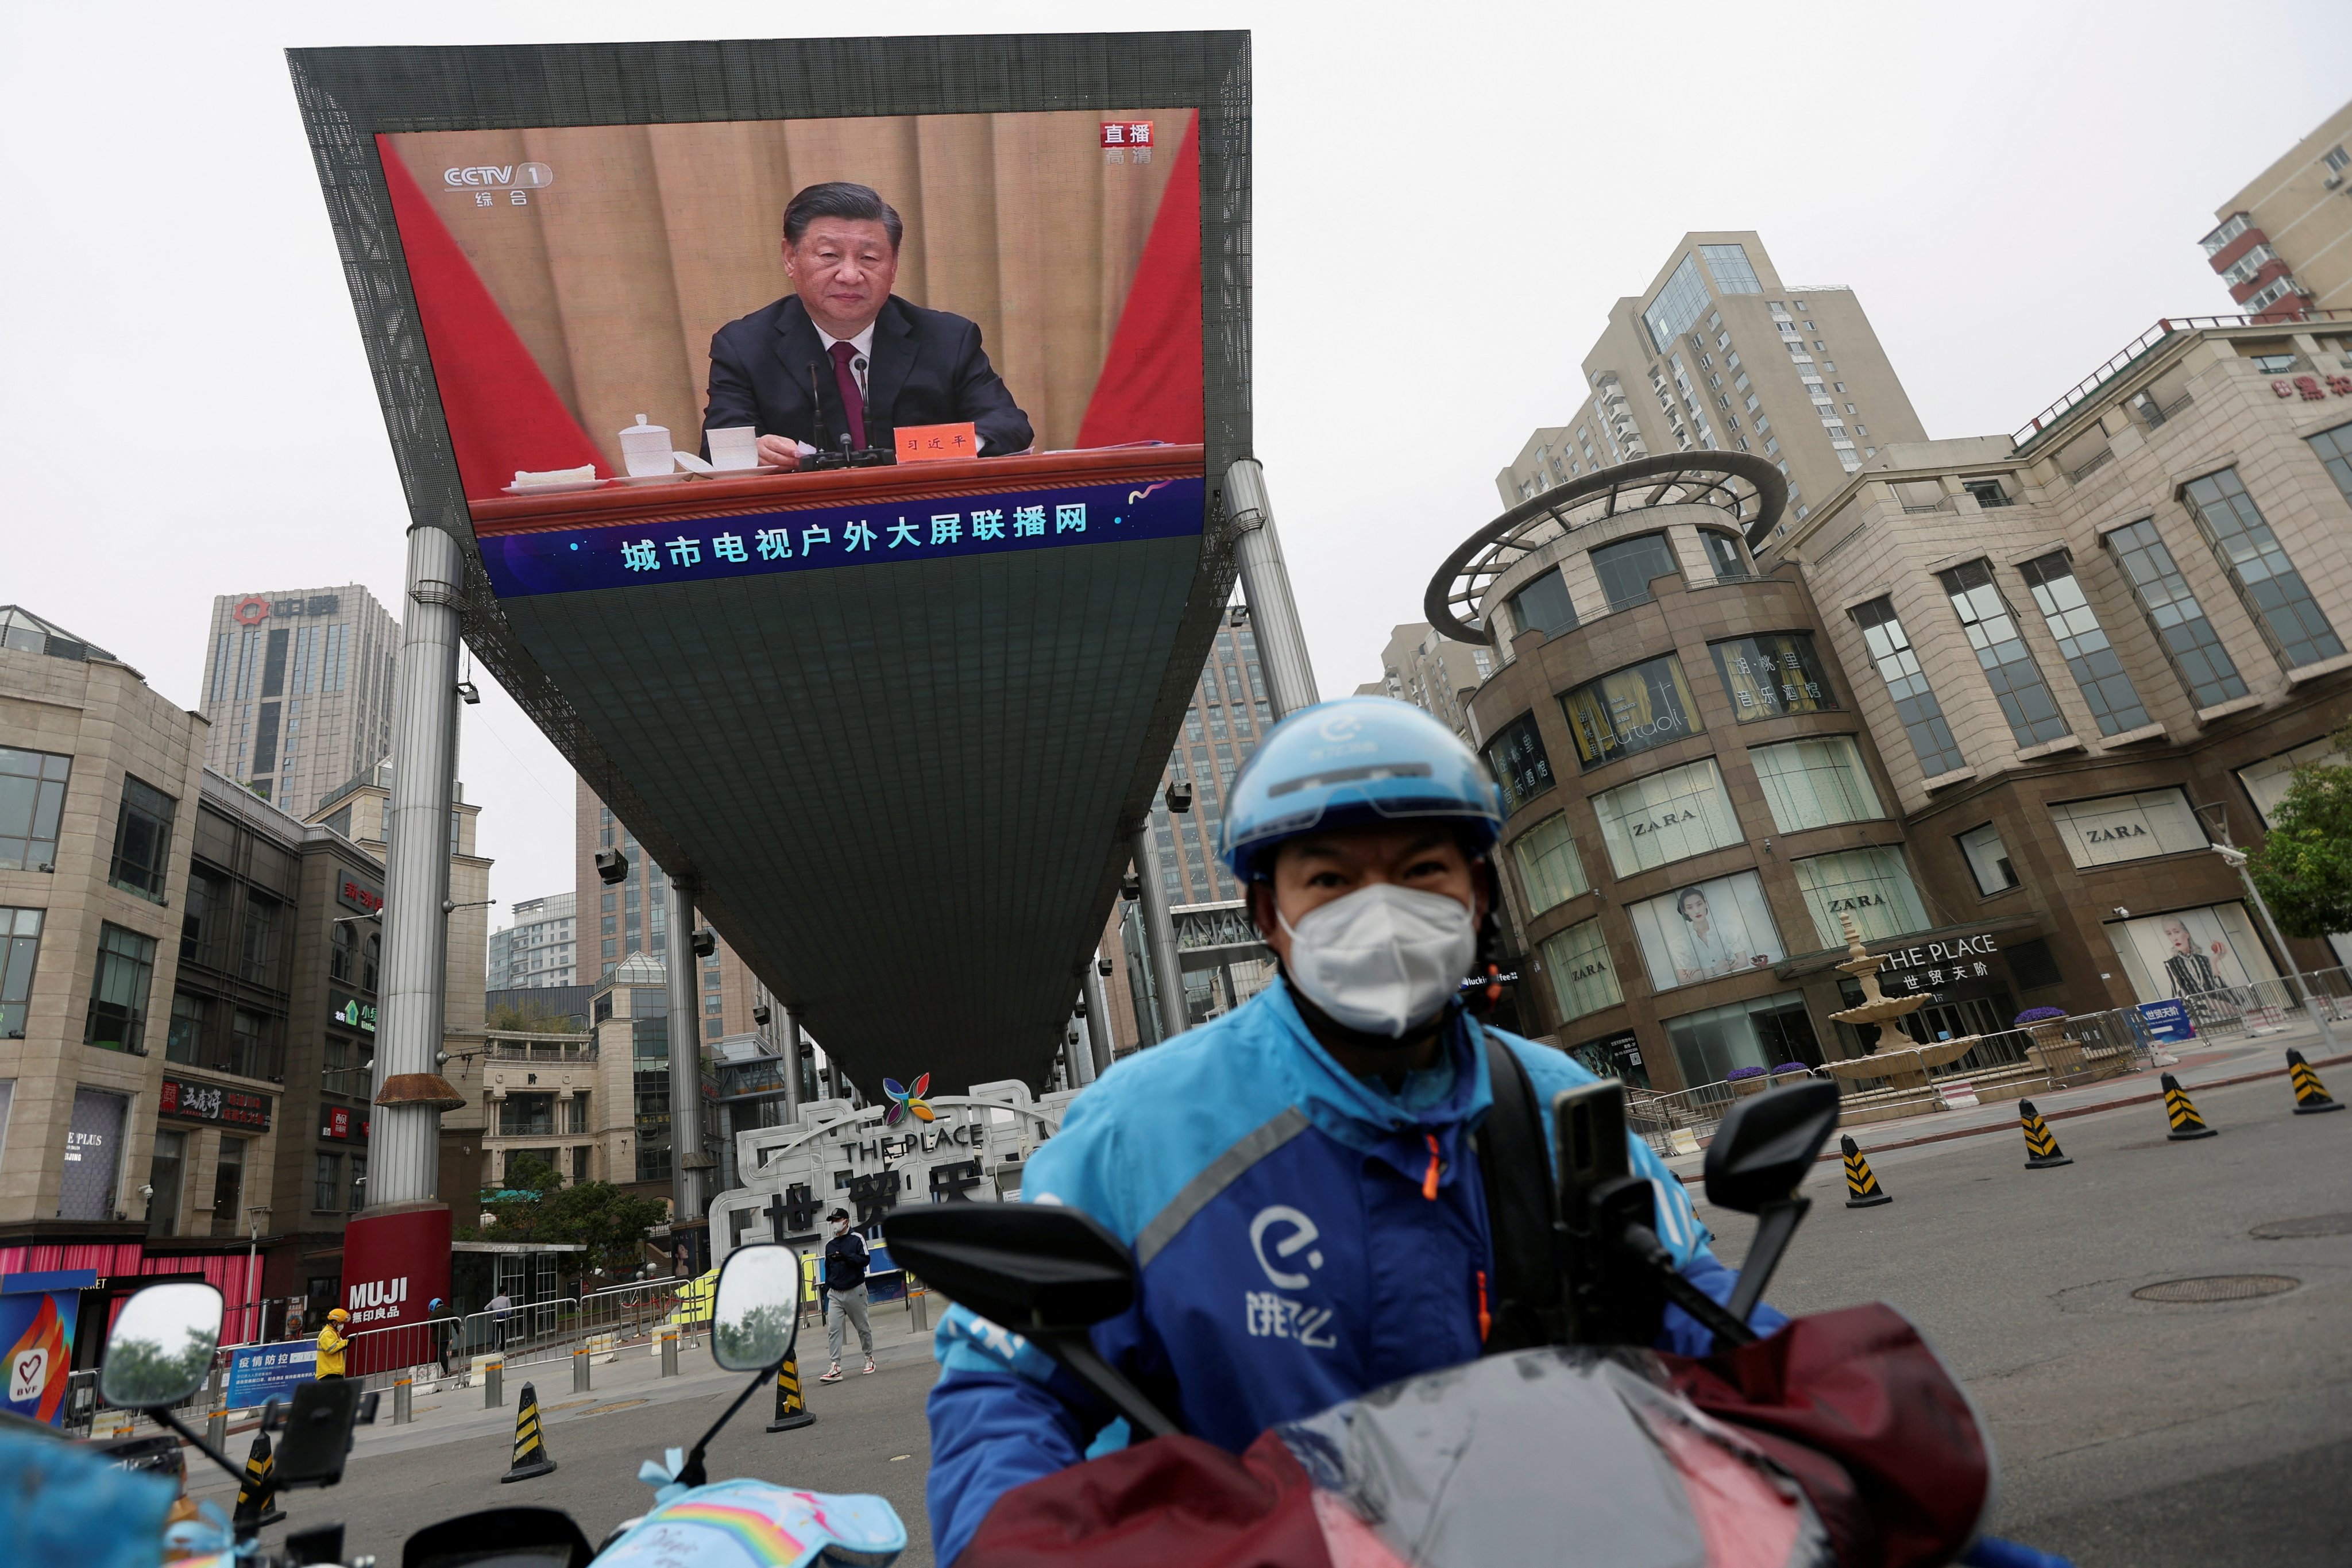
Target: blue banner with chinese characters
[260,1374]
[620,555]
[2168,1020]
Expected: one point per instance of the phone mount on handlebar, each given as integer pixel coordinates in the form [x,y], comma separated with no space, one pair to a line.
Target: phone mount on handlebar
[1046,1272]
[1620,1276]
[317,1431]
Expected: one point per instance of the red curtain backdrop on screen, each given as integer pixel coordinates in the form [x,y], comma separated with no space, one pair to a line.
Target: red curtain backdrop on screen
[1150,385]
[503,416]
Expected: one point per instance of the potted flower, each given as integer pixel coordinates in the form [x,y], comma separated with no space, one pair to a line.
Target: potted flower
[1744,1081]
[1789,1072]
[2053,1050]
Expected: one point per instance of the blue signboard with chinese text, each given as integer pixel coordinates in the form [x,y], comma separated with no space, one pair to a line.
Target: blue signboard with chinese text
[2168,1020]
[572,559]
[260,1374]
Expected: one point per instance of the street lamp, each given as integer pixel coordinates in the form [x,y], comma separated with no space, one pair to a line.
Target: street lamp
[2236,859]
[254,1216]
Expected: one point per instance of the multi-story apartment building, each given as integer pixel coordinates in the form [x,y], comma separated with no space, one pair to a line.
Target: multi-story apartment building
[1432,672]
[540,949]
[298,690]
[1993,702]
[1720,354]
[2283,244]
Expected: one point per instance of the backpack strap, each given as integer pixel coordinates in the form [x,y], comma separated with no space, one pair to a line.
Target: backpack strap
[1515,1168]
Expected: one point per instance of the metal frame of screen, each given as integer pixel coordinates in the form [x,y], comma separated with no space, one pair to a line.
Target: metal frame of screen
[349,96]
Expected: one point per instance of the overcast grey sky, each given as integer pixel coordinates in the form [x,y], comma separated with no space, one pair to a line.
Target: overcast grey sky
[1449,198]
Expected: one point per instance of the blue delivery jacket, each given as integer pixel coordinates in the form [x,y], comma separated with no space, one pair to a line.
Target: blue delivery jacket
[1288,1257]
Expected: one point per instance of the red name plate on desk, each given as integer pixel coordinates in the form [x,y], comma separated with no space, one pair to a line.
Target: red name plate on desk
[938,443]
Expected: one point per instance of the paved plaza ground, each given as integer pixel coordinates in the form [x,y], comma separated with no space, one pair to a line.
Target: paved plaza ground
[2129,1432]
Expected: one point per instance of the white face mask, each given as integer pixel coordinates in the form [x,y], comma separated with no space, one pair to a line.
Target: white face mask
[1383,958]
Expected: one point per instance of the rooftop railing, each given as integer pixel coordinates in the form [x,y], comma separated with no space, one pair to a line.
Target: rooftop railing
[2137,349]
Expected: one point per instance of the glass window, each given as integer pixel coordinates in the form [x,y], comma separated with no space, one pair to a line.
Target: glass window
[1543,607]
[2208,955]
[32,795]
[327,1184]
[1872,886]
[1678,304]
[1706,930]
[1987,858]
[2267,782]
[185,1041]
[1772,675]
[2008,668]
[229,1188]
[1815,783]
[1516,755]
[1915,706]
[1728,554]
[1633,709]
[252,1041]
[2174,614]
[202,917]
[344,950]
[525,1115]
[2258,564]
[2139,826]
[20,947]
[1583,979]
[261,923]
[164,1172]
[1627,567]
[118,991]
[2335,450]
[2105,688]
[1550,870]
[1727,264]
[1666,816]
[1762,1032]
[142,840]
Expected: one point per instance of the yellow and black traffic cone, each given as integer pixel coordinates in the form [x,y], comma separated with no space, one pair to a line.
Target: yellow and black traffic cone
[531,1455]
[256,1498]
[2042,1152]
[1861,1188]
[2310,1094]
[2186,1122]
[792,1410]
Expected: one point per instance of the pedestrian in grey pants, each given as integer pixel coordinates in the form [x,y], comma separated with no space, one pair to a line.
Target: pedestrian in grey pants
[844,1292]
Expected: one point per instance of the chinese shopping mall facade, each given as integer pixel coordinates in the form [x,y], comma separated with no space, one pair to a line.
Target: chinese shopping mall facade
[1992,700]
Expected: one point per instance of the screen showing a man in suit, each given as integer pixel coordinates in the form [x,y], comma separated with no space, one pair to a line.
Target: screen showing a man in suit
[589,292]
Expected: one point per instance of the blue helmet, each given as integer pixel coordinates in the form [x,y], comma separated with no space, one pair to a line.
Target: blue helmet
[1355,760]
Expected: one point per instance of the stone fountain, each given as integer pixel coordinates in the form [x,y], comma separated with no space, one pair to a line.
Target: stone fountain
[1904,1069]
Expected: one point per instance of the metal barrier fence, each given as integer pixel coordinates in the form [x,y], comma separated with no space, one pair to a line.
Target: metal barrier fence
[2266,1006]
[533,1332]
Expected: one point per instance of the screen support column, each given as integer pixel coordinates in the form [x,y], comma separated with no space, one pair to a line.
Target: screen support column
[1160,937]
[792,1066]
[689,1165]
[1098,1030]
[1265,586]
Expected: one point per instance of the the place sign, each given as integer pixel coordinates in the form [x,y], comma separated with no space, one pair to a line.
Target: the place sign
[212,1102]
[1934,963]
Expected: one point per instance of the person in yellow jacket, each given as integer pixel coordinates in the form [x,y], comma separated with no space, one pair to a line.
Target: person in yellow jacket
[331,1341]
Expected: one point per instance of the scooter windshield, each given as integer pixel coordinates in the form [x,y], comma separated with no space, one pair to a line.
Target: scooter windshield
[1554,1456]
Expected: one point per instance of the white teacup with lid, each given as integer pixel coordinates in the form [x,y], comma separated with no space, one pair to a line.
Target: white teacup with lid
[646,448]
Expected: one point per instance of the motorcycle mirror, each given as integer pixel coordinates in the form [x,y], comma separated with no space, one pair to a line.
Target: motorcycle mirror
[1027,1266]
[755,1314]
[161,1346]
[1765,1145]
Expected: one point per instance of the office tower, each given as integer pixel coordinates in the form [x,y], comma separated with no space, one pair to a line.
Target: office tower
[298,688]
[1433,673]
[2283,244]
[540,949]
[1719,353]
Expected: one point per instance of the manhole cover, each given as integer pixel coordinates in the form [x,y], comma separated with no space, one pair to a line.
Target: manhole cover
[2310,1225]
[2216,1288]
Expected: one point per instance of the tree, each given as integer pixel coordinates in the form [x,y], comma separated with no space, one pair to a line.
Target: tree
[531,1018]
[2304,866]
[611,1223]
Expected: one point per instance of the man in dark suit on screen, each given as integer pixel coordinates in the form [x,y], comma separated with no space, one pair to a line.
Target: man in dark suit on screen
[841,353]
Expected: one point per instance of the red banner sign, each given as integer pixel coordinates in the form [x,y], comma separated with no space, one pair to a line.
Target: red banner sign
[211,1102]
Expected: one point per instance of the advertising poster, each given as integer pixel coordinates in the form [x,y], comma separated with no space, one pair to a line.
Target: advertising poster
[37,1327]
[394,1264]
[1706,930]
[596,297]
[2208,957]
